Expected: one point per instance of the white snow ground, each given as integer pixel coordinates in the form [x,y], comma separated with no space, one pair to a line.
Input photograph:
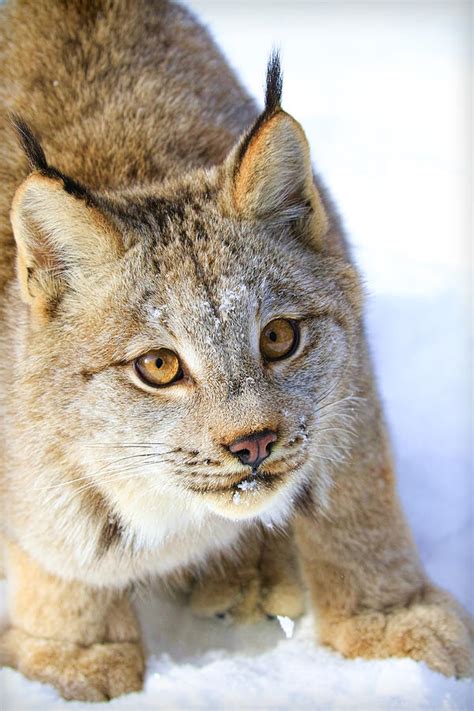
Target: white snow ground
[383,91]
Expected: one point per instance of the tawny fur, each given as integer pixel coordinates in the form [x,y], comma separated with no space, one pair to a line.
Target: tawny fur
[167,212]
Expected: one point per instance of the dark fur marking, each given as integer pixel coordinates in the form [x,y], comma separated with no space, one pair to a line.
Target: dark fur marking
[111,534]
[234,389]
[274,83]
[150,214]
[273,93]
[164,210]
[37,160]
[30,144]
[304,502]
[200,275]
[110,526]
[200,233]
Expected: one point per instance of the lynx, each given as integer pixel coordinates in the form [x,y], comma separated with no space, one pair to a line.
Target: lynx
[187,391]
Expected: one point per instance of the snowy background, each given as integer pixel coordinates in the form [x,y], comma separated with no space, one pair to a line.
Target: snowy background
[383,92]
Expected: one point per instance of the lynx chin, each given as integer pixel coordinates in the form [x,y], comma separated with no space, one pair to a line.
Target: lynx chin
[184,373]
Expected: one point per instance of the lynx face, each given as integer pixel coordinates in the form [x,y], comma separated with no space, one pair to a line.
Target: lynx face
[208,307]
[200,291]
[197,334]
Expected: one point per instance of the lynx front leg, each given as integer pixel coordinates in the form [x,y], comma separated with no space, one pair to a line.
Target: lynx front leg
[261,580]
[83,641]
[372,597]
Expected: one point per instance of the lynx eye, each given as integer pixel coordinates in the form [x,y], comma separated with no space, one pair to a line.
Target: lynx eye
[279,339]
[158,367]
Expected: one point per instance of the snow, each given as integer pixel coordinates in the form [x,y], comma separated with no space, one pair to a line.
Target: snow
[248,485]
[231,299]
[287,625]
[382,91]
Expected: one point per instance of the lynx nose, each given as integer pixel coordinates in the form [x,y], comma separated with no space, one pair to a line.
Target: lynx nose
[253,448]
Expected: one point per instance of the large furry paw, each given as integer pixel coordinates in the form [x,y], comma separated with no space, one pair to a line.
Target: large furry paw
[96,673]
[245,596]
[435,630]
[263,581]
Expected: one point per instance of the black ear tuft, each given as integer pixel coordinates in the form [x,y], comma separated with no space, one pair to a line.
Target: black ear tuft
[30,144]
[37,160]
[274,85]
[273,91]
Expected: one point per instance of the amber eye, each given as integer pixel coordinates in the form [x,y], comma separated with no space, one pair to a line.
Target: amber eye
[279,339]
[158,368]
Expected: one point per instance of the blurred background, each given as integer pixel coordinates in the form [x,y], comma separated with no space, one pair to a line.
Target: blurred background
[383,91]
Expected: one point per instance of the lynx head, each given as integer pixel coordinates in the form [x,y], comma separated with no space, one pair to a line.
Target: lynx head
[189,339]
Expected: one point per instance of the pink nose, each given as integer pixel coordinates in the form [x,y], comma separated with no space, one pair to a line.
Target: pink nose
[253,448]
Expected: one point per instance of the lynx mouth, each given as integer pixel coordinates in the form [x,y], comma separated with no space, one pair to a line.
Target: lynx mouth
[267,492]
[256,482]
[249,482]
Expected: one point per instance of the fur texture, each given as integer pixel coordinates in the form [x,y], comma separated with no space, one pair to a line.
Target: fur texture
[156,208]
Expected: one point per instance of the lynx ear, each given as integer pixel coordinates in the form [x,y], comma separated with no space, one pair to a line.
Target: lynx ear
[272,176]
[59,232]
[58,236]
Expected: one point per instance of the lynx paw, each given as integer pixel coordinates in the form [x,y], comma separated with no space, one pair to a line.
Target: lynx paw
[434,630]
[96,673]
[246,599]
